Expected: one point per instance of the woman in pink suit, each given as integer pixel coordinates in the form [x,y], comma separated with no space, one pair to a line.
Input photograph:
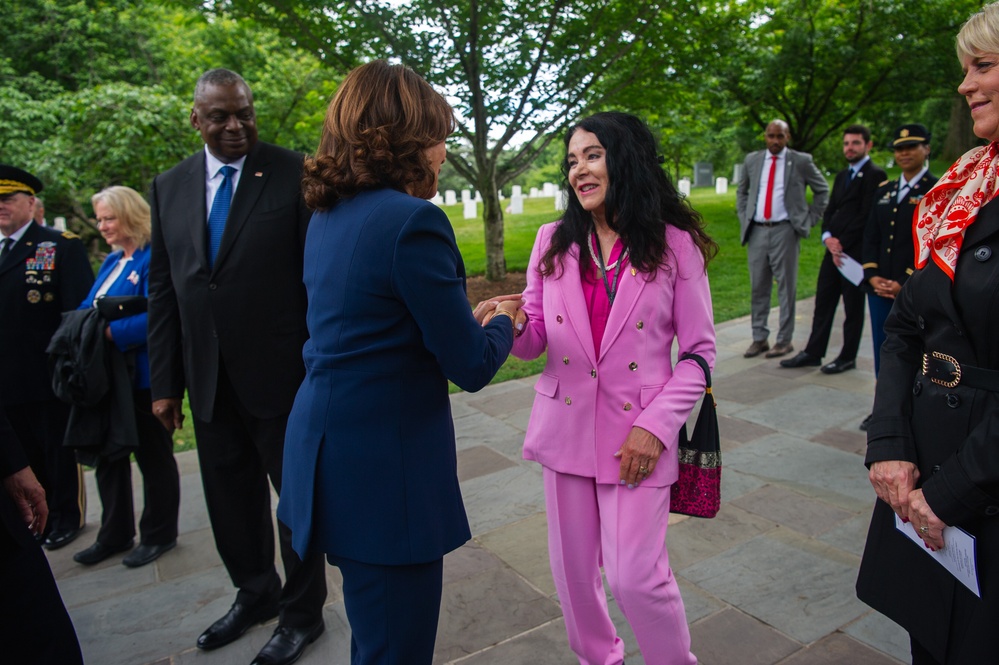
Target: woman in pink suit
[609,288]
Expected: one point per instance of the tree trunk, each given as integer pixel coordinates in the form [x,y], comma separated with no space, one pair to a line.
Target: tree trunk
[960,131]
[492,212]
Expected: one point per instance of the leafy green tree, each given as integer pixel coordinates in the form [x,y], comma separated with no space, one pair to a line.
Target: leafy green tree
[822,64]
[102,94]
[76,43]
[517,71]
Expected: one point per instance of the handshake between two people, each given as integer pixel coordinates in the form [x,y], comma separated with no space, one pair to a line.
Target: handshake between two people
[507,306]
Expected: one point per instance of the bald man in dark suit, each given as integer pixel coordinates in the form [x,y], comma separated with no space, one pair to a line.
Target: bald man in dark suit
[227,322]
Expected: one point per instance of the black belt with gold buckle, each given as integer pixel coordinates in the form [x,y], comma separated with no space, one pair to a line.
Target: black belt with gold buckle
[946,371]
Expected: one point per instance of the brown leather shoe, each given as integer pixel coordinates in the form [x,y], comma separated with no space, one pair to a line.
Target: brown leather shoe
[780,350]
[756,348]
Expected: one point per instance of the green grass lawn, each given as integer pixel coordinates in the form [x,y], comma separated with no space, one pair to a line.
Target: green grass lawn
[729,273]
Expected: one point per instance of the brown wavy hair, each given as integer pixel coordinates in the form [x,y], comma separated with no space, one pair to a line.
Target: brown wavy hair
[377,127]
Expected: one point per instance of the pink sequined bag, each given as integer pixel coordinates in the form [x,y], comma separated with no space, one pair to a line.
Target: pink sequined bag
[697,492]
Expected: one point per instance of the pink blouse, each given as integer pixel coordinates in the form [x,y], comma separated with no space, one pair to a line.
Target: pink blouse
[595,293]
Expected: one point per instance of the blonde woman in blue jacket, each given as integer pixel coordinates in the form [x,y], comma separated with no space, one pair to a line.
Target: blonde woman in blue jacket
[123,220]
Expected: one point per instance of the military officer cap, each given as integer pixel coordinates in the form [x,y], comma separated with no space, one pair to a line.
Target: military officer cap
[13,179]
[910,135]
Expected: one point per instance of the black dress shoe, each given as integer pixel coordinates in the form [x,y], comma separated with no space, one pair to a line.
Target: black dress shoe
[837,366]
[98,552]
[60,538]
[288,644]
[144,554]
[236,621]
[803,359]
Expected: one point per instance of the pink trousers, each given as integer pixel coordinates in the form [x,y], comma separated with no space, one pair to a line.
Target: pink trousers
[624,530]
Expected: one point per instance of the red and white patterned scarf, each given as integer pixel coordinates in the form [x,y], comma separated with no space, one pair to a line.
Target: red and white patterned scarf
[947,210]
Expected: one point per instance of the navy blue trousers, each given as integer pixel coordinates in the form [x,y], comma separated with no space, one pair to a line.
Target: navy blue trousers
[880,308]
[392,610]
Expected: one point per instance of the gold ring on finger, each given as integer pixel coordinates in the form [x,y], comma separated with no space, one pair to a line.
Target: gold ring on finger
[924,529]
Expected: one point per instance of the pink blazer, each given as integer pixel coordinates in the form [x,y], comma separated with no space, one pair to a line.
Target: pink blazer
[586,403]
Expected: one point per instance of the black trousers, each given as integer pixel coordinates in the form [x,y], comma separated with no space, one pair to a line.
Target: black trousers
[34,625]
[830,287]
[238,452]
[41,427]
[160,485]
[920,655]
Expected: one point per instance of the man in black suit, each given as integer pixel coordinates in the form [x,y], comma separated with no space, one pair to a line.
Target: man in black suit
[842,233]
[43,273]
[227,321]
[34,625]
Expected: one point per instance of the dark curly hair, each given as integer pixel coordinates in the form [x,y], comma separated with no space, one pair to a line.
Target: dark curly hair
[640,200]
[377,127]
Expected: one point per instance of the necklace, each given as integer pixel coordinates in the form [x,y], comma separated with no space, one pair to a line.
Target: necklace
[598,259]
[599,262]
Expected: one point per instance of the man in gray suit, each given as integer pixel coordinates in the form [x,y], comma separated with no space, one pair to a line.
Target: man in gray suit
[773,217]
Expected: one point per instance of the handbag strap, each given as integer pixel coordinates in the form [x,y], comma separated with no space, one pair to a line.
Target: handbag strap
[707,373]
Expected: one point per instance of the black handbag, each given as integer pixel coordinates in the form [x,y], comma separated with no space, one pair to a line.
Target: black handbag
[113,308]
[697,491]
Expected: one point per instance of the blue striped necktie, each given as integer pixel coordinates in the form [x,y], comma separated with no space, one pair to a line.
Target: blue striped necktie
[219,213]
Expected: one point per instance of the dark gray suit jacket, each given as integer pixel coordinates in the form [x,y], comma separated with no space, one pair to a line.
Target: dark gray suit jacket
[247,311]
[799,172]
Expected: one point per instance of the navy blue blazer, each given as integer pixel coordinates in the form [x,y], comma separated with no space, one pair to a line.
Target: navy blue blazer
[129,333]
[370,470]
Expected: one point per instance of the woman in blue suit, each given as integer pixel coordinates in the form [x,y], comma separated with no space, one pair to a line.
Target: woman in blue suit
[369,461]
[123,219]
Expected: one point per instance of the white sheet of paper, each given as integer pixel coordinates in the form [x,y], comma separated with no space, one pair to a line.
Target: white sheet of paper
[852,270]
[957,556]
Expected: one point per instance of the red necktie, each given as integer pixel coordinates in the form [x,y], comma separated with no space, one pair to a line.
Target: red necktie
[768,207]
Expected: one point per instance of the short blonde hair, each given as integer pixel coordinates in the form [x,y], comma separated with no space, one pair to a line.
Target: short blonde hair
[131,210]
[980,33]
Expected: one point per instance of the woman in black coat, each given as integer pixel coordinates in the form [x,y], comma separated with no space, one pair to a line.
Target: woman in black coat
[933,440]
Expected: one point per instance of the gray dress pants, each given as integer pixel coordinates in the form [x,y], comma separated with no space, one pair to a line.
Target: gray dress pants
[773,255]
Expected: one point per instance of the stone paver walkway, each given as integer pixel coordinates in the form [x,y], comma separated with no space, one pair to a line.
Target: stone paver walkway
[770,580]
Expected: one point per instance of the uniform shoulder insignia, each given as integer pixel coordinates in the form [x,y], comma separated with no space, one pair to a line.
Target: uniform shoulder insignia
[69,235]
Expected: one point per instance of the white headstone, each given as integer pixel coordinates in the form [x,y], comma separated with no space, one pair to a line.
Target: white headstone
[438,200]
[466,195]
[478,196]
[534,192]
[499,194]
[549,189]
[450,198]
[517,191]
[59,223]
[561,199]
[517,204]
[721,186]
[737,172]
[470,210]
[684,186]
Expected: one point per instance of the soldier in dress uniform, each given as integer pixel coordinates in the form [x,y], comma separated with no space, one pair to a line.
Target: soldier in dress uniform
[43,273]
[888,246]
